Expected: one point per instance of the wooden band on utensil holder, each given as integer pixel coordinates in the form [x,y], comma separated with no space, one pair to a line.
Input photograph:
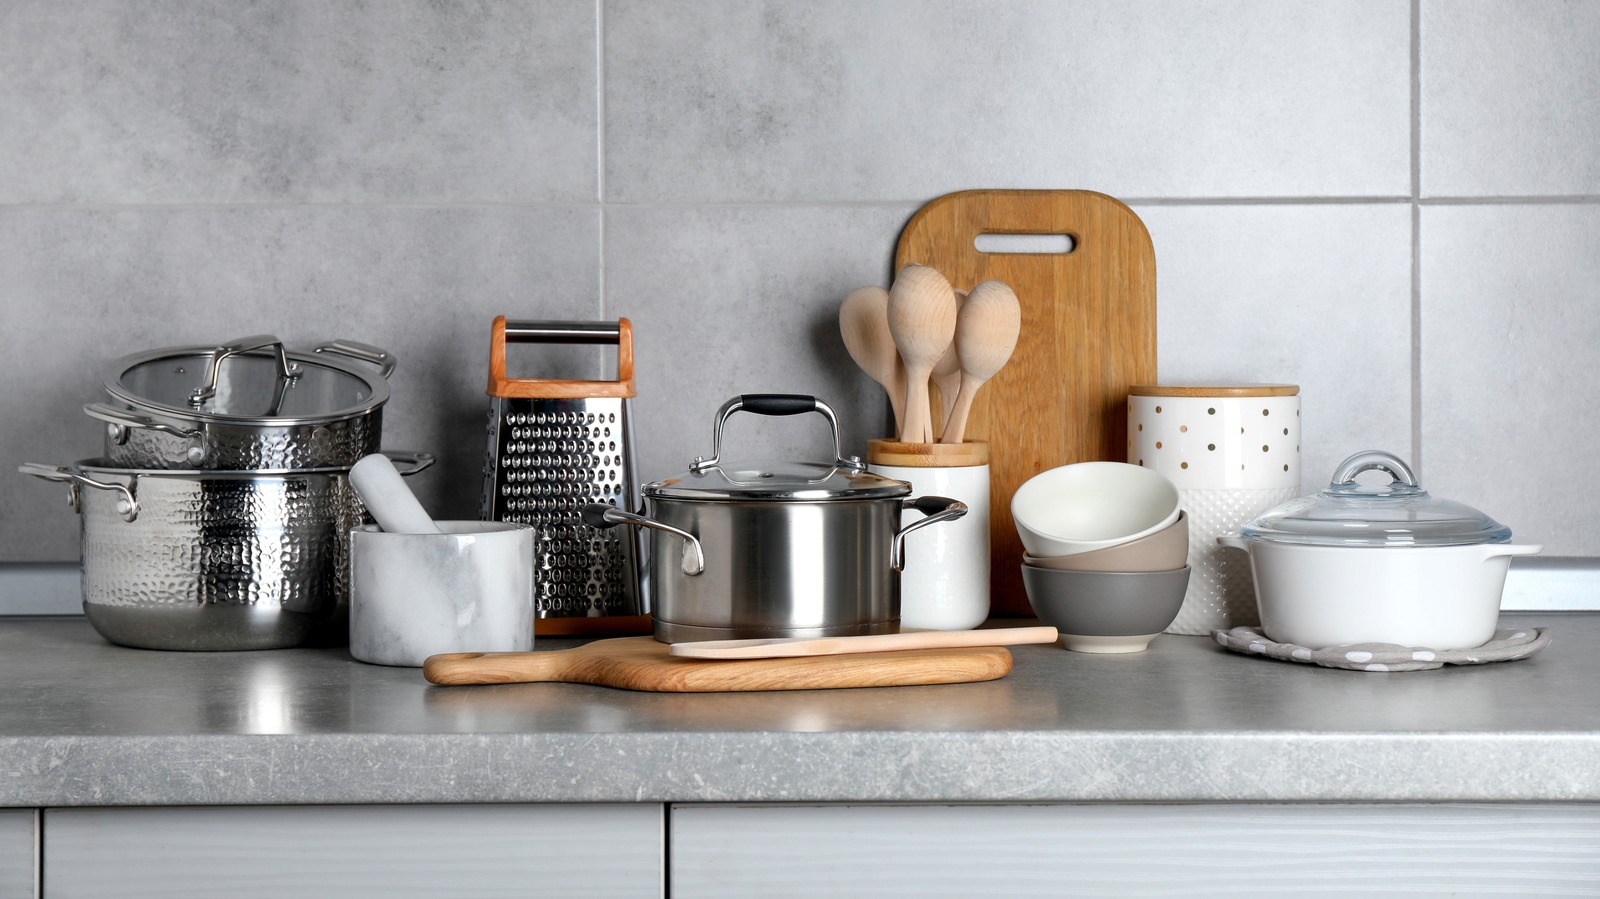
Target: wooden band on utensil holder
[928,455]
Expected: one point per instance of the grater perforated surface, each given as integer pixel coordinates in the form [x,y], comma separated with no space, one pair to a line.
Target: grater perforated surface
[548,458]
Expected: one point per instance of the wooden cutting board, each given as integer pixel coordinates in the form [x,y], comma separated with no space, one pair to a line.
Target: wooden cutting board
[643,663]
[1088,334]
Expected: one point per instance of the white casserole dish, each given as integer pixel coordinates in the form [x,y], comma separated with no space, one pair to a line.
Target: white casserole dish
[1385,563]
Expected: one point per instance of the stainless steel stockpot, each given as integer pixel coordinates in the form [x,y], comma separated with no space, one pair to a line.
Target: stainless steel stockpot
[776,549]
[248,405]
[215,560]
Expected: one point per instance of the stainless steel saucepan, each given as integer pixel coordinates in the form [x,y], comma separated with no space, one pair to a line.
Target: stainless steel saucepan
[776,549]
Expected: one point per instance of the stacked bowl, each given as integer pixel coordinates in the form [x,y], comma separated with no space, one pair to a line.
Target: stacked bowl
[1106,559]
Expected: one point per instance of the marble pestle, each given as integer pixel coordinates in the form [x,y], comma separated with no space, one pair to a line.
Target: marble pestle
[387,497]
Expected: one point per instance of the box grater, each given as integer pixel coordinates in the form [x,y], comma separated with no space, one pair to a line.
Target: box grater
[554,447]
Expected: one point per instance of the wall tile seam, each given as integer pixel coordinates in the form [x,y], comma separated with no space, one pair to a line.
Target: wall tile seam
[1414,121]
[600,104]
[1576,199]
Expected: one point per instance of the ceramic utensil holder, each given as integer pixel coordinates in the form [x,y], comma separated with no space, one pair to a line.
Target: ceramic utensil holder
[1233,452]
[468,589]
[945,583]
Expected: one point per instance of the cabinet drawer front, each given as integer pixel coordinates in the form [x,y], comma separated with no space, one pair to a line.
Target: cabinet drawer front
[354,851]
[19,852]
[1168,850]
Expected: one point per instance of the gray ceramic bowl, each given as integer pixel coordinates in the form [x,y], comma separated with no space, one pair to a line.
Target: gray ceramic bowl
[1106,611]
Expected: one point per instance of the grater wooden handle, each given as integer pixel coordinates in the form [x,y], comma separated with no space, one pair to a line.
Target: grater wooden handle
[560,332]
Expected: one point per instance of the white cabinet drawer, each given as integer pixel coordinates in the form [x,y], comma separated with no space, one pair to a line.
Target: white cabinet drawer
[19,852]
[1167,850]
[354,851]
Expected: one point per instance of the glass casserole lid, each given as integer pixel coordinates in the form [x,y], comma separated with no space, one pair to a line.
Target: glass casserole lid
[1397,514]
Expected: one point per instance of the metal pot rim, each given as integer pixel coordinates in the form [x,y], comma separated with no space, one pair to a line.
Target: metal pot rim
[411,463]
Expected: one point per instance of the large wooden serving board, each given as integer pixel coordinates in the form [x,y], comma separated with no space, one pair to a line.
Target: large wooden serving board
[1088,334]
[643,663]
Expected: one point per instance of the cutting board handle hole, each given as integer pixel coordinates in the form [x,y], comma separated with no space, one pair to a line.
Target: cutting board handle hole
[1037,244]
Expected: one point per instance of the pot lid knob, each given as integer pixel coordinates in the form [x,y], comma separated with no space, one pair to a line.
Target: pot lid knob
[1404,479]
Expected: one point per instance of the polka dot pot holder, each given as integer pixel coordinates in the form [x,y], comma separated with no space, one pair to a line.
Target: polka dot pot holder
[1506,646]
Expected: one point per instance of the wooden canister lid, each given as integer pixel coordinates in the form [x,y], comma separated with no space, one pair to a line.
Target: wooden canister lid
[1214,390]
[927,455]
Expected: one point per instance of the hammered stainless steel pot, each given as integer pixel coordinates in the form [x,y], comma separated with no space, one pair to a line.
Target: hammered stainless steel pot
[776,549]
[248,405]
[218,560]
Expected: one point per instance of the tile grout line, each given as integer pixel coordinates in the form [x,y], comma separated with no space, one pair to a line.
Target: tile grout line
[1417,455]
[1525,200]
[600,147]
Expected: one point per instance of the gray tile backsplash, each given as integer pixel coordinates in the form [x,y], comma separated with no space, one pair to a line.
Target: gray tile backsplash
[303,101]
[1511,319]
[838,101]
[1509,98]
[400,172]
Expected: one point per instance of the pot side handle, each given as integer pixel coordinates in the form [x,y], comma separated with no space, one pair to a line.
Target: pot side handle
[602,516]
[1233,540]
[122,420]
[1497,550]
[937,508]
[410,462]
[365,352]
[127,506]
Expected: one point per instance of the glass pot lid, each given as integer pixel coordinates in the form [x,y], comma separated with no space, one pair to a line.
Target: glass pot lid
[252,381]
[1399,513]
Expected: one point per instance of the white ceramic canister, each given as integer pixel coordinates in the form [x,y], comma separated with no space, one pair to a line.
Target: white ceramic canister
[945,582]
[468,589]
[1233,452]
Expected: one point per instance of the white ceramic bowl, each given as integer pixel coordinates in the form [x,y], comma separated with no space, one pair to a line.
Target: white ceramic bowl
[1091,505]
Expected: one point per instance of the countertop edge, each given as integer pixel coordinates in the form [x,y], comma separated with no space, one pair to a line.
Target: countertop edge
[865,767]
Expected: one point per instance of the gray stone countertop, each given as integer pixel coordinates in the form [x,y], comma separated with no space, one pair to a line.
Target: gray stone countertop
[83,722]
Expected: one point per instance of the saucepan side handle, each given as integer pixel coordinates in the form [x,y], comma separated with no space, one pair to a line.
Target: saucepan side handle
[937,508]
[602,516]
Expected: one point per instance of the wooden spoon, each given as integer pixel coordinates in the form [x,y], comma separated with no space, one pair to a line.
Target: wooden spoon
[986,334]
[947,374]
[864,324]
[922,319]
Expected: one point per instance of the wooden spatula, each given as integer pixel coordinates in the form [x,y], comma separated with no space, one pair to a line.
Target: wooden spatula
[642,663]
[827,646]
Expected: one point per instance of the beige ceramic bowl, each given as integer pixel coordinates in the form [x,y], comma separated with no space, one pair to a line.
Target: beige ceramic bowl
[1165,550]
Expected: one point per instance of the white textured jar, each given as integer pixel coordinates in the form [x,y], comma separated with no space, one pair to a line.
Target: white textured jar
[945,584]
[1234,452]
